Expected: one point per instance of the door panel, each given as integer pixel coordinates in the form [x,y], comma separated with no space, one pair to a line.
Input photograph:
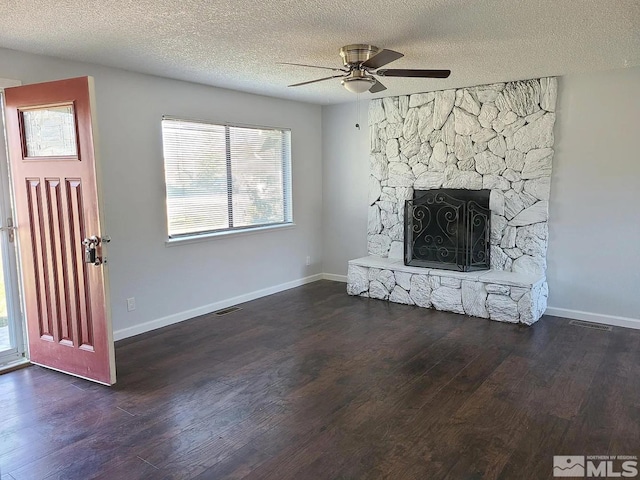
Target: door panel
[53,165]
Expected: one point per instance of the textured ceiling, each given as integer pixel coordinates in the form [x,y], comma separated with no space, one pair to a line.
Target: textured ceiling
[238,43]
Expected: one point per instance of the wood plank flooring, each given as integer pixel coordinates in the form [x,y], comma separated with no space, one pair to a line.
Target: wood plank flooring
[313,384]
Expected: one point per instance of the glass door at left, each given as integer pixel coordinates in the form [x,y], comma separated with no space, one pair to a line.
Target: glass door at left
[12,341]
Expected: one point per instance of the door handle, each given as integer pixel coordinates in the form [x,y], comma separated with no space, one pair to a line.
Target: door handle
[10,228]
[91,245]
[90,250]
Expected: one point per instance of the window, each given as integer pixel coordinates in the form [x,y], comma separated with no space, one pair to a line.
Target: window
[225,177]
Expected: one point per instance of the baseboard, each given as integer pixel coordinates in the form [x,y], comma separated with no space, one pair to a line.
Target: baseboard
[212,307]
[594,317]
[334,277]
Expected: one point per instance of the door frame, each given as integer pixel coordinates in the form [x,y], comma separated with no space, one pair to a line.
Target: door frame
[10,255]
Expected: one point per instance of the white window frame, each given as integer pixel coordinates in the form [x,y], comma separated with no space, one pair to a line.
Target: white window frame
[242,230]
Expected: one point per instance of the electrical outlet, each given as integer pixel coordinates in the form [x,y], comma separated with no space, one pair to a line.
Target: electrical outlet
[308,260]
[131,304]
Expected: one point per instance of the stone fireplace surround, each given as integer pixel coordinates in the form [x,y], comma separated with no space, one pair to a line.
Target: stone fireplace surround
[497,137]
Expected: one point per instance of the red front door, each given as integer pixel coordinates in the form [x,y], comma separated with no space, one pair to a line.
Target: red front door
[50,137]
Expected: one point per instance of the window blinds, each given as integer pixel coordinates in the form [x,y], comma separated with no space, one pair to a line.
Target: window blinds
[224,177]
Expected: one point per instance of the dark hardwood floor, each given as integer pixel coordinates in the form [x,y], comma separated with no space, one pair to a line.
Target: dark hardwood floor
[313,384]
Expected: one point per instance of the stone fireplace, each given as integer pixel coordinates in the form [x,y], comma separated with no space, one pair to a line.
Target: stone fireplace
[498,138]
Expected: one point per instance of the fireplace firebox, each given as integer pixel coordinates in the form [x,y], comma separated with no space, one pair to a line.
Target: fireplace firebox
[448,229]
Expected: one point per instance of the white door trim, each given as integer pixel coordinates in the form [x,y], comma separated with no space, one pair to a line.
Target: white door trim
[10,254]
[6,83]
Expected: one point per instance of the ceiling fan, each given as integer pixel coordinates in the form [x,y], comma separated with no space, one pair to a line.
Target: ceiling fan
[362,63]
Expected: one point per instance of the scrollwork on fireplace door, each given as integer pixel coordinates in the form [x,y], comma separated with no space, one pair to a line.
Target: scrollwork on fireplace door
[448,229]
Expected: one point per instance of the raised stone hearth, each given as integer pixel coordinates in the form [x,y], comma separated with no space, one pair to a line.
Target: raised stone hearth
[498,295]
[495,137]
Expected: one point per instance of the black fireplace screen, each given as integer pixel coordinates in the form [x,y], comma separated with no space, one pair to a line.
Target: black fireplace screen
[448,229]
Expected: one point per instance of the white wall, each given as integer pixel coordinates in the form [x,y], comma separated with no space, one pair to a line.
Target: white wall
[345,195]
[594,195]
[594,245]
[180,281]
[594,226]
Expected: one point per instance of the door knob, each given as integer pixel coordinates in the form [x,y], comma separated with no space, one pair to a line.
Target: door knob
[90,252]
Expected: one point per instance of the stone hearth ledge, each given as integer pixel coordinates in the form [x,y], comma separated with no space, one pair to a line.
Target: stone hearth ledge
[512,297]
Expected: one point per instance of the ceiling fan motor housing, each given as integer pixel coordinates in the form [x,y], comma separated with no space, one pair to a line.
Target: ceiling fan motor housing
[357,53]
[362,62]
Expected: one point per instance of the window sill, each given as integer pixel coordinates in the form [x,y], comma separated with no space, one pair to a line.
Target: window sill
[172,242]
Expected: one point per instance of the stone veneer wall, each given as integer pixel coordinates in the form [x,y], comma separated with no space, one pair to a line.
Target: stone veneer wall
[497,137]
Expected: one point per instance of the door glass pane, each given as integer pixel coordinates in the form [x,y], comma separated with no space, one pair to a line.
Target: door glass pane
[50,132]
[11,339]
[5,342]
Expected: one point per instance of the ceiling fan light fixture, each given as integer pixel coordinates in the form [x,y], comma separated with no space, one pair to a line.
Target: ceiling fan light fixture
[362,62]
[358,84]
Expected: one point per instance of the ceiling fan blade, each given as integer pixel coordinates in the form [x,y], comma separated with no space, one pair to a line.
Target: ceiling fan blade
[313,66]
[318,80]
[398,72]
[377,87]
[382,58]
